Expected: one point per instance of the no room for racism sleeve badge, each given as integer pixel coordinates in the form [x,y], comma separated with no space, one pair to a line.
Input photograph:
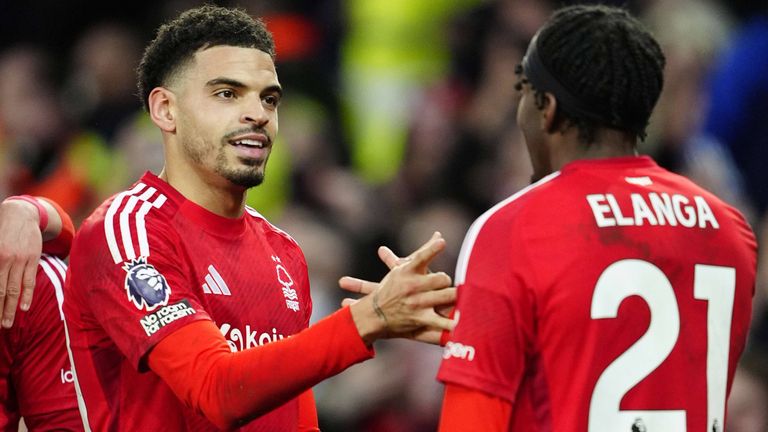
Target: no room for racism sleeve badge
[145,286]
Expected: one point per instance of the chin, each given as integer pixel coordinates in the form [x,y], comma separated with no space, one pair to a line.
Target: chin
[246,180]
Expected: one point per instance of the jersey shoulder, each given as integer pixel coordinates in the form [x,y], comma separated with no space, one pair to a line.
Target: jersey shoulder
[124,223]
[270,229]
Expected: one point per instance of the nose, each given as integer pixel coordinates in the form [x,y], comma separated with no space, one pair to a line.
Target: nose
[256,115]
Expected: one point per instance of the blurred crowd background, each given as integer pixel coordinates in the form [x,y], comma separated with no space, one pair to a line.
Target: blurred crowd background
[398,120]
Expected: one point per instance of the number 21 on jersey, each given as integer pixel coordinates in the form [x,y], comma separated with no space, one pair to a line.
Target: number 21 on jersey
[630,277]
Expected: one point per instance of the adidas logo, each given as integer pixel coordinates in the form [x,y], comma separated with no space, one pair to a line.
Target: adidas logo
[214,284]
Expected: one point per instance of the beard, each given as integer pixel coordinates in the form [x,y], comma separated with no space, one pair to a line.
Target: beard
[247,177]
[249,174]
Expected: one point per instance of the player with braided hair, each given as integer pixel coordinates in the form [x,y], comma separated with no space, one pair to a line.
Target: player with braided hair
[611,295]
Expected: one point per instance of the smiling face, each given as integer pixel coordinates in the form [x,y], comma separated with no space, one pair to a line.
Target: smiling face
[225,113]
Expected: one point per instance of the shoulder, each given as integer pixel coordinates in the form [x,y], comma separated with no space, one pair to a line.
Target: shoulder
[270,229]
[124,223]
[518,205]
[498,226]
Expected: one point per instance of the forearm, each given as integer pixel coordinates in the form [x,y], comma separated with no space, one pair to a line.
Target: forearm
[231,389]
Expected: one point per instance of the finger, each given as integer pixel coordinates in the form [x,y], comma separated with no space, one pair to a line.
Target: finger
[428,335]
[424,255]
[30,276]
[437,322]
[348,302]
[357,285]
[13,290]
[433,281]
[441,297]
[389,258]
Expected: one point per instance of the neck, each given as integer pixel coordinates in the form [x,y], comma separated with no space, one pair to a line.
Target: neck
[609,143]
[210,191]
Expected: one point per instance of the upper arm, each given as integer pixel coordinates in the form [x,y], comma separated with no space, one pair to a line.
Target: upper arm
[488,348]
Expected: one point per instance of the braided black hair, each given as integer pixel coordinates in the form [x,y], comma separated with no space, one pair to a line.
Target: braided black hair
[206,26]
[608,59]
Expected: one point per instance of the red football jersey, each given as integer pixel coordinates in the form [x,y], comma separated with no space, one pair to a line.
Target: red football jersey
[148,262]
[35,374]
[612,296]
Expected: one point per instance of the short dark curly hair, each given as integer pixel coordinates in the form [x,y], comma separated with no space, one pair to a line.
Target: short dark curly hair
[177,42]
[605,57]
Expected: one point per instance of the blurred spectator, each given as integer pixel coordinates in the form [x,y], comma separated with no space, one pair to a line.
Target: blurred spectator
[46,155]
[748,402]
[101,91]
[692,33]
[392,49]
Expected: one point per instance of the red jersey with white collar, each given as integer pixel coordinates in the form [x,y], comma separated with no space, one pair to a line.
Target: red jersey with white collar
[148,262]
[612,296]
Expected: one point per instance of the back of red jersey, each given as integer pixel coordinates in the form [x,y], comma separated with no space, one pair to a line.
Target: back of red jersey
[611,296]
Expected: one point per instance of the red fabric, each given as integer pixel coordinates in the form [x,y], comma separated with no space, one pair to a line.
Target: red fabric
[60,245]
[308,413]
[36,380]
[243,274]
[537,272]
[472,410]
[232,388]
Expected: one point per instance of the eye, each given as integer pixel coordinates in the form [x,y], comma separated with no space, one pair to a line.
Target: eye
[225,94]
[271,100]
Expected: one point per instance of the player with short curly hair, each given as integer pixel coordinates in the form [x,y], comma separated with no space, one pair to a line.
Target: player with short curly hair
[611,295]
[187,310]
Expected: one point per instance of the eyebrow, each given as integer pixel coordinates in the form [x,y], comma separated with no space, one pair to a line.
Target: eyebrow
[239,85]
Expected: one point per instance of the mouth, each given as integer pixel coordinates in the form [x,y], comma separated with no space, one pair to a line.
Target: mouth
[255,140]
[252,146]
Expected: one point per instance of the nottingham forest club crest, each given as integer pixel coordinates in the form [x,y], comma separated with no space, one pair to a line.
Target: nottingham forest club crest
[145,286]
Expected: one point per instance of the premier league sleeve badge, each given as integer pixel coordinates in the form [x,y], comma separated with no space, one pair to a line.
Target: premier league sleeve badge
[145,286]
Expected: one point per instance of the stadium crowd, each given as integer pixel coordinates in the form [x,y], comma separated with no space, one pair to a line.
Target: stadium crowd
[398,120]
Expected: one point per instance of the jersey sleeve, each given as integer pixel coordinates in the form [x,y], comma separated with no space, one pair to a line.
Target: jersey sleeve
[136,280]
[465,409]
[41,374]
[487,350]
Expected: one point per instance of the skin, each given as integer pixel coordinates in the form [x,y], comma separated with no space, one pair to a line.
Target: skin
[224,93]
[553,143]
[21,243]
[228,93]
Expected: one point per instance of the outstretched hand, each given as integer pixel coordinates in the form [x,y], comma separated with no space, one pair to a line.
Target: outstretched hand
[20,246]
[406,302]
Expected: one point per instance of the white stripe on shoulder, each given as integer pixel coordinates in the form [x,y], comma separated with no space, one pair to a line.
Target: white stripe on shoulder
[127,215]
[54,268]
[474,230]
[109,229]
[254,213]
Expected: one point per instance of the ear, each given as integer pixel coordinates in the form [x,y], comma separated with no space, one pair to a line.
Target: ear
[548,112]
[161,103]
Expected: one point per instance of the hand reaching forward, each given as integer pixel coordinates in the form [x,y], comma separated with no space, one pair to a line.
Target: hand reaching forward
[403,303]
